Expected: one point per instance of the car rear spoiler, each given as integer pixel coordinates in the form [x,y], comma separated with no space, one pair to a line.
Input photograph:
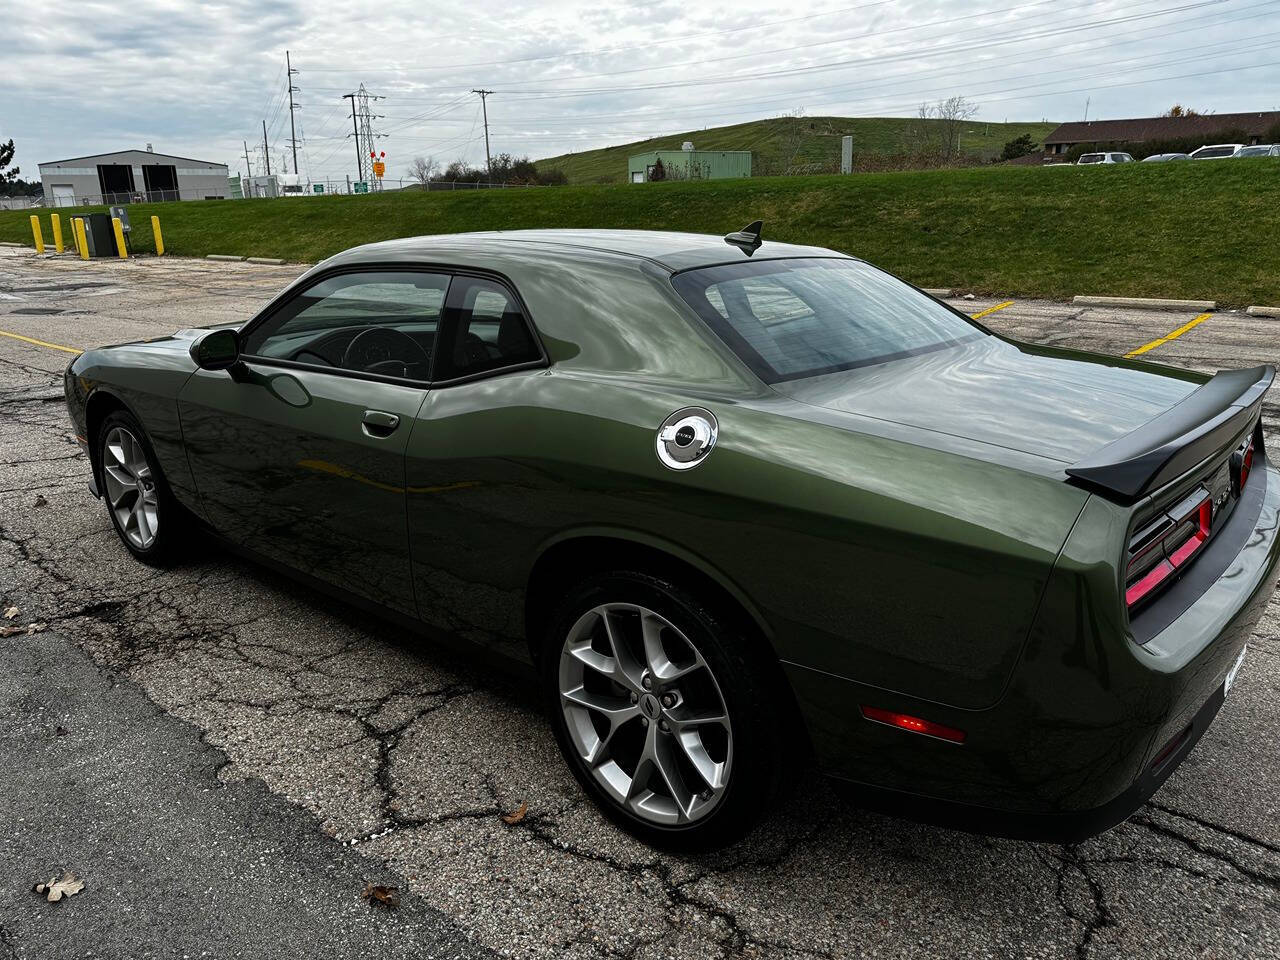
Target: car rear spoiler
[1189,432]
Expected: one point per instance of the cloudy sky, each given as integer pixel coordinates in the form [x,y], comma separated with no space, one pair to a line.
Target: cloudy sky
[199,80]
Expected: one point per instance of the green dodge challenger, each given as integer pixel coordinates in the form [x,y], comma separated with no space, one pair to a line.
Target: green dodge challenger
[732,505]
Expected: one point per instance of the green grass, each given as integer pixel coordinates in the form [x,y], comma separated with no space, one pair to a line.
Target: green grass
[773,142]
[1197,230]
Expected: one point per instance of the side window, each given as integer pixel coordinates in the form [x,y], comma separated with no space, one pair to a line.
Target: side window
[370,322]
[484,329]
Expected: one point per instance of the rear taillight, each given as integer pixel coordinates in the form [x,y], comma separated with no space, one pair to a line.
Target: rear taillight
[1161,548]
[1242,463]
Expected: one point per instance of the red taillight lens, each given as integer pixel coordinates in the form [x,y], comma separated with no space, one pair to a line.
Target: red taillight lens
[1246,464]
[904,721]
[1155,559]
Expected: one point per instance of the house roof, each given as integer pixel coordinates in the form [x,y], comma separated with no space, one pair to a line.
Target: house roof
[149,153]
[1156,128]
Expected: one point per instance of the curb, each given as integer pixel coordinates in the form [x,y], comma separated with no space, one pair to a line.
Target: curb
[1264,312]
[271,261]
[10,243]
[1145,303]
[222,256]
[940,292]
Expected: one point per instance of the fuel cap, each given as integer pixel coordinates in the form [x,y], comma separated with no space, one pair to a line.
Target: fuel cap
[686,437]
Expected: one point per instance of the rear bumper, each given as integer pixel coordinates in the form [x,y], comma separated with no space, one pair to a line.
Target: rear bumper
[1040,827]
[1078,741]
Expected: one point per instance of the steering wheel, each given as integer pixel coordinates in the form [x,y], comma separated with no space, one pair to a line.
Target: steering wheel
[382,350]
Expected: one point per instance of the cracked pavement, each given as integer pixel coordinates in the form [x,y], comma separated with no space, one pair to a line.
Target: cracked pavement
[404,757]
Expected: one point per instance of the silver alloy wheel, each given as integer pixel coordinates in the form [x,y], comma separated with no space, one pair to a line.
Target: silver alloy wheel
[645,713]
[130,487]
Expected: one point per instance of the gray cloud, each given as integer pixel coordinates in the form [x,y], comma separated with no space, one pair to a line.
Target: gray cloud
[198,80]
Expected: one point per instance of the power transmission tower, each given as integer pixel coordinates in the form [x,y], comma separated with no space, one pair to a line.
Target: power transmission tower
[362,117]
[293,131]
[266,149]
[484,107]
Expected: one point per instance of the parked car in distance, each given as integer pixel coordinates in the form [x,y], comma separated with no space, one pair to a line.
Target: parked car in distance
[1165,157]
[1260,150]
[1087,158]
[729,504]
[1217,151]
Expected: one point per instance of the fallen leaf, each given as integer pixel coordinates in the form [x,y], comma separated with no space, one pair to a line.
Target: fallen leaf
[36,627]
[59,731]
[379,896]
[40,501]
[11,631]
[10,613]
[511,819]
[56,889]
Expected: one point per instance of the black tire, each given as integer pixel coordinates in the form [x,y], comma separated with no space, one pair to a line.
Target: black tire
[171,534]
[751,687]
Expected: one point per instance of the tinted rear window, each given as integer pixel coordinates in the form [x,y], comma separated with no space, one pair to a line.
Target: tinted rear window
[1214,152]
[789,319]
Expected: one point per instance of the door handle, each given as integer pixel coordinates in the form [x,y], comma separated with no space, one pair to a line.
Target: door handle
[376,423]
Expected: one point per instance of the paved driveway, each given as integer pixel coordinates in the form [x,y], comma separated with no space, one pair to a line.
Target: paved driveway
[351,734]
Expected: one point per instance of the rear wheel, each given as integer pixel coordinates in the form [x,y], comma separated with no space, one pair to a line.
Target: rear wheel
[147,518]
[662,709]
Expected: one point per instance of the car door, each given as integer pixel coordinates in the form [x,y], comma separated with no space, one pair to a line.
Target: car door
[298,451]
[472,488]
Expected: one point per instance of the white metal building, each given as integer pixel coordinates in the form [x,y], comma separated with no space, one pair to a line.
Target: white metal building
[131,176]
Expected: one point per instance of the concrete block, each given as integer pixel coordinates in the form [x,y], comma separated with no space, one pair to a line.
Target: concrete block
[1147,303]
[271,261]
[1264,312]
[222,256]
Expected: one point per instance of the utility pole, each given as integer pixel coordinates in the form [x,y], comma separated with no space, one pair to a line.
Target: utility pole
[1086,109]
[484,107]
[293,131]
[355,133]
[266,150]
[248,166]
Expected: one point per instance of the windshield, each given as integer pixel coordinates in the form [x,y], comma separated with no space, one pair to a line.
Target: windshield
[1091,158]
[789,319]
[1212,153]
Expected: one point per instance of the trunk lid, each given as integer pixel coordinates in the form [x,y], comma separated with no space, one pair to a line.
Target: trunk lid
[1058,404]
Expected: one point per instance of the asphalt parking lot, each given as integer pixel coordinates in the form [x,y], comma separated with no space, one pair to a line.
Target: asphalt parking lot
[272,750]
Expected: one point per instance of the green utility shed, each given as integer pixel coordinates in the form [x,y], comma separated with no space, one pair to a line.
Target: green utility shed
[689,164]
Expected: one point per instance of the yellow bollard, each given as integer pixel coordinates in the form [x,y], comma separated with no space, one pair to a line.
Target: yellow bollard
[75,237]
[82,241]
[155,230]
[56,222]
[35,230]
[124,251]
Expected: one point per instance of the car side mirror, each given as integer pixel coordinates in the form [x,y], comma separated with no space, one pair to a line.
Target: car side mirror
[216,350]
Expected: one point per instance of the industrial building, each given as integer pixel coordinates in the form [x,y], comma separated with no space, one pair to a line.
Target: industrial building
[688,164]
[131,176]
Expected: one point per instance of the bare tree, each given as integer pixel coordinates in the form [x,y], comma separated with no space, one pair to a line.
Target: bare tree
[921,138]
[423,169]
[953,113]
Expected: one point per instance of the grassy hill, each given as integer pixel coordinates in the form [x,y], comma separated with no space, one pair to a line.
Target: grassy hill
[1199,230]
[801,140]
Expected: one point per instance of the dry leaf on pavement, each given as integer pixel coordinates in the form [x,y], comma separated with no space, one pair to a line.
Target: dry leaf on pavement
[386,897]
[56,889]
[511,819]
[40,501]
[10,613]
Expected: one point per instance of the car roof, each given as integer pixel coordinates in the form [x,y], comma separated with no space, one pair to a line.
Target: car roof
[675,251]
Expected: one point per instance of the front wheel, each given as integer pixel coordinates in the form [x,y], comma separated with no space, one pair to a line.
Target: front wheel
[147,518]
[663,711]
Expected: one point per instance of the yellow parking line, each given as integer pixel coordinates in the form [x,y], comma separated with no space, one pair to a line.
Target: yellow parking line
[999,306]
[1170,336]
[40,343]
